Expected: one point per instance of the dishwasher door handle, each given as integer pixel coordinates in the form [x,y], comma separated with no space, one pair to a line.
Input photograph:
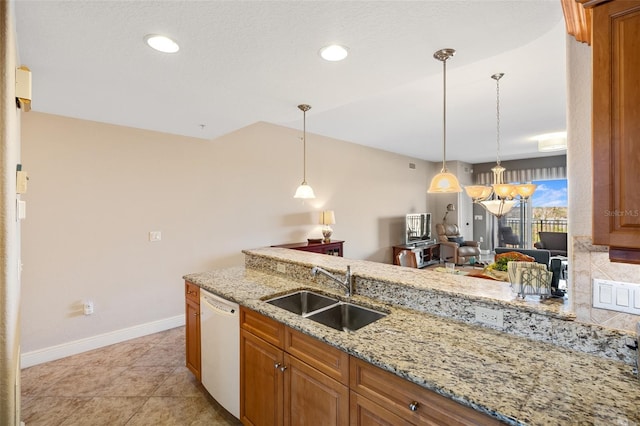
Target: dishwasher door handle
[220,307]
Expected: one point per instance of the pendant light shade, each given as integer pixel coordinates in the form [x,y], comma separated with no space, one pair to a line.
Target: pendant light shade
[304,191]
[444,182]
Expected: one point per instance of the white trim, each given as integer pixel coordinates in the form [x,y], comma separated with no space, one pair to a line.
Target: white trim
[82,345]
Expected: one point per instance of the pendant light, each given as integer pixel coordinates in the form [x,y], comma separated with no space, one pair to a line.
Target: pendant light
[304,191]
[444,182]
[505,194]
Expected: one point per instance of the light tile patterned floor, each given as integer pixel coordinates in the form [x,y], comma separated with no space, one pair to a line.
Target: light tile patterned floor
[138,382]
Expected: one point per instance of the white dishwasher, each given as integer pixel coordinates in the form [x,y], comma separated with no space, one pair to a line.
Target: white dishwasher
[220,349]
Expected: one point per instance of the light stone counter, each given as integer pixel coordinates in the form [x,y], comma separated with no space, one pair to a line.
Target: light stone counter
[515,379]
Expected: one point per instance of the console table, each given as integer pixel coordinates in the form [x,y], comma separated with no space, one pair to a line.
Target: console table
[333,248]
[426,254]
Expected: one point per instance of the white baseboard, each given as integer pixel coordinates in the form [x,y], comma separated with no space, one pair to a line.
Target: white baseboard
[78,346]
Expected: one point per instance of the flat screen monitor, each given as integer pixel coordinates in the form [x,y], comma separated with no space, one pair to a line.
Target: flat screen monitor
[418,228]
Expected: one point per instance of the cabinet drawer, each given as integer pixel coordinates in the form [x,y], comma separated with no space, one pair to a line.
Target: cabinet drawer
[192,292]
[366,413]
[264,327]
[330,360]
[397,395]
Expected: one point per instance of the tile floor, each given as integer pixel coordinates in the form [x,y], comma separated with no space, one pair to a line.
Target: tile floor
[138,382]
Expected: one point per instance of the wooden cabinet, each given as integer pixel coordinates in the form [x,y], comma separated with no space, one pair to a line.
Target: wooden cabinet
[425,255]
[192,313]
[384,398]
[278,388]
[261,381]
[616,127]
[334,248]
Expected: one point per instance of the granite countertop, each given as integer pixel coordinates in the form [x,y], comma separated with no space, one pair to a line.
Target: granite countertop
[497,292]
[514,379]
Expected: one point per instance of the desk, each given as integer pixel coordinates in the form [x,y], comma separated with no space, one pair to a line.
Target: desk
[333,248]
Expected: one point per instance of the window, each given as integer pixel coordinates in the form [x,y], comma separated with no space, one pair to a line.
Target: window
[549,204]
[545,211]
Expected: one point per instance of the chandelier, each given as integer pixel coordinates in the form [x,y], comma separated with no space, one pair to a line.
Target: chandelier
[499,198]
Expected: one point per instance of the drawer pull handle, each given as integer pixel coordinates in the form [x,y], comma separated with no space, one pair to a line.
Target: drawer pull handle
[413,406]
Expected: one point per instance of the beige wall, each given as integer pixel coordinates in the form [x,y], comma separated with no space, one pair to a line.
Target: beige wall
[96,190]
[9,227]
[587,261]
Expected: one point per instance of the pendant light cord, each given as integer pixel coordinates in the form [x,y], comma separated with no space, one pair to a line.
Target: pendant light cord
[304,146]
[444,115]
[498,120]
[497,78]
[304,108]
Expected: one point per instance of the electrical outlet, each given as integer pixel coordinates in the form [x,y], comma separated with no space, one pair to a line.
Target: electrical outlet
[280,267]
[88,308]
[490,316]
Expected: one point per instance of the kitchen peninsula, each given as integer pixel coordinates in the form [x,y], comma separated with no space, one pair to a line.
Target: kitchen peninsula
[511,373]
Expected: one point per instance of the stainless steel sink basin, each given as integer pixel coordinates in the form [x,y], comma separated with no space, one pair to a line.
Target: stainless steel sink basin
[302,302]
[346,316]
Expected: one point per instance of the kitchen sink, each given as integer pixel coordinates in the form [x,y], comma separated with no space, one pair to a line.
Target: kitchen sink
[327,310]
[346,316]
[302,302]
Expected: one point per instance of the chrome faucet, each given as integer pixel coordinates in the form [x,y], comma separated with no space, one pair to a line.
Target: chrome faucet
[347,283]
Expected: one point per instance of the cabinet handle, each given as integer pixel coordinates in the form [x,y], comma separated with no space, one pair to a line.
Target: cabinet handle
[414,406]
[284,367]
[277,365]
[191,292]
[195,314]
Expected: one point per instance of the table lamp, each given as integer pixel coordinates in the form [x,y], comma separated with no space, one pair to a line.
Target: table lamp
[327,218]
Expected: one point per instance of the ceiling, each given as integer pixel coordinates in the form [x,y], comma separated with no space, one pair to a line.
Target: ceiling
[241,62]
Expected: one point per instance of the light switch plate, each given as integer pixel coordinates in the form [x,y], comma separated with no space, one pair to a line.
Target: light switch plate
[616,296]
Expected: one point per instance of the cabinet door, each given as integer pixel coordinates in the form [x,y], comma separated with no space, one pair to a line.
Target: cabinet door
[616,129]
[261,381]
[367,413]
[192,312]
[311,397]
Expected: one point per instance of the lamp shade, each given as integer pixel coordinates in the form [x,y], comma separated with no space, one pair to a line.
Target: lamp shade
[444,182]
[499,208]
[478,192]
[526,190]
[304,191]
[327,217]
[503,190]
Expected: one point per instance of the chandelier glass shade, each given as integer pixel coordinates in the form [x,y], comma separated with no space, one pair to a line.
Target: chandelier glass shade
[304,191]
[444,182]
[499,198]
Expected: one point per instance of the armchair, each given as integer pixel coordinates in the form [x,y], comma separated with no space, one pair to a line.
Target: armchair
[555,242]
[453,248]
[506,237]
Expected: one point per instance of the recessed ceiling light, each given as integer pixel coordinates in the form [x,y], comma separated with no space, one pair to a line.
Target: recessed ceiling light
[161,43]
[334,53]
